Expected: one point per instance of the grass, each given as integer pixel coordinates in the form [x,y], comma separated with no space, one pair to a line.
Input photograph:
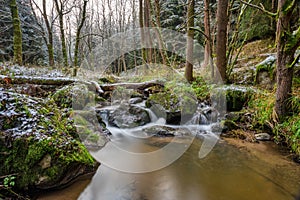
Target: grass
[288,131]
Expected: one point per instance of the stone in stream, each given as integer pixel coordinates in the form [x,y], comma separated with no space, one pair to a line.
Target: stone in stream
[128,116]
[174,108]
[165,131]
[135,100]
[39,143]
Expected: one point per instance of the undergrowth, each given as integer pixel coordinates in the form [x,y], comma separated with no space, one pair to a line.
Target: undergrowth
[264,118]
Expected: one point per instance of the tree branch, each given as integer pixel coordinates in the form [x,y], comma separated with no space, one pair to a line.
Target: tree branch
[261,8]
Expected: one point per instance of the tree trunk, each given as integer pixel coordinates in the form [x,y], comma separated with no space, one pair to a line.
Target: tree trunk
[147,18]
[158,32]
[62,32]
[141,21]
[286,47]
[222,21]
[208,50]
[78,33]
[190,41]
[50,35]
[17,39]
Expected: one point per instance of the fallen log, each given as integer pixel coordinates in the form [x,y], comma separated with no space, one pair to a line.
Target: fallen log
[35,80]
[135,86]
[60,81]
[93,85]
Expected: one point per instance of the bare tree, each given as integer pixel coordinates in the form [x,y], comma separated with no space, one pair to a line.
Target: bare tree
[60,9]
[78,32]
[49,27]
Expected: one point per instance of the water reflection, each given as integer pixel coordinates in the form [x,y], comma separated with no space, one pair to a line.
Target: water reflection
[225,173]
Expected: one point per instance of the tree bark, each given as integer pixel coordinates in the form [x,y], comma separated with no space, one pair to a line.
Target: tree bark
[147,18]
[17,39]
[208,50]
[59,10]
[286,47]
[78,33]
[50,35]
[190,41]
[141,21]
[222,21]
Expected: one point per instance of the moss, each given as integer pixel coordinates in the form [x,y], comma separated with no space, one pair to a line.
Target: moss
[53,133]
[201,89]
[268,66]
[166,99]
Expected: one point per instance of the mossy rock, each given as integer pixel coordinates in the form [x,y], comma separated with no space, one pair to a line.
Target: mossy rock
[39,144]
[236,97]
[75,96]
[174,108]
[265,73]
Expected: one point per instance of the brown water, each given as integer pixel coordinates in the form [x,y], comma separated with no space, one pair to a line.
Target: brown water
[227,173]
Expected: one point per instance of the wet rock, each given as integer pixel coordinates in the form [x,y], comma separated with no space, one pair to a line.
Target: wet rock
[38,143]
[262,137]
[91,129]
[135,100]
[217,127]
[176,110]
[166,131]
[128,116]
[211,114]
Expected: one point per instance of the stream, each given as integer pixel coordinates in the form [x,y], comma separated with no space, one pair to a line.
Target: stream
[228,172]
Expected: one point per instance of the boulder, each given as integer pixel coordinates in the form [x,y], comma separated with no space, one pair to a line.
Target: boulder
[264,72]
[175,109]
[128,116]
[165,131]
[76,96]
[231,97]
[39,143]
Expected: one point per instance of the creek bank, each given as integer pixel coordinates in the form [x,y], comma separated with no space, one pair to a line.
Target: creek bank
[39,144]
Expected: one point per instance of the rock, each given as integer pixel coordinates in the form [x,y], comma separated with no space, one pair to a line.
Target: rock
[128,116]
[76,96]
[91,129]
[264,73]
[165,131]
[236,97]
[45,162]
[262,137]
[217,127]
[135,100]
[176,110]
[39,143]
[211,114]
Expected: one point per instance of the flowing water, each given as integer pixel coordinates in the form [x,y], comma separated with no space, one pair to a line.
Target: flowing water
[226,173]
